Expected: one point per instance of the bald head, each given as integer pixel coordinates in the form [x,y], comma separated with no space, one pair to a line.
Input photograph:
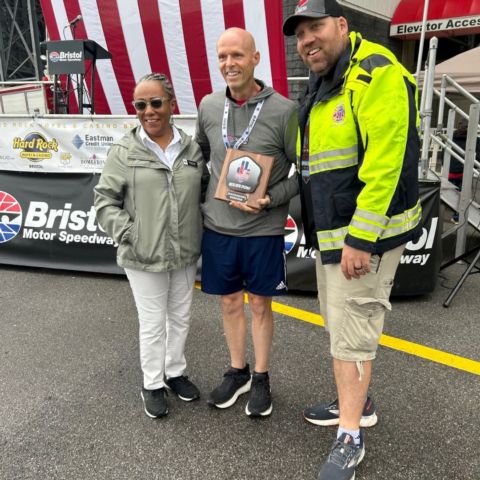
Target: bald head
[240,37]
[237,59]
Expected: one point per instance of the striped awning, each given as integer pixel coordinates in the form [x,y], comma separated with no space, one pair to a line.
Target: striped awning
[445,18]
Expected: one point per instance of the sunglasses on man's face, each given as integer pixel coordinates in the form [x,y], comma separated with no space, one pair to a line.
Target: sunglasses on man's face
[156,103]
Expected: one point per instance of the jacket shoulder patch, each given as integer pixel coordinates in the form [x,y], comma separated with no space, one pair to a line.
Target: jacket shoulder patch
[372,62]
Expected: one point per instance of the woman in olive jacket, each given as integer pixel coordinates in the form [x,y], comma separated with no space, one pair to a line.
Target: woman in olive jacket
[148,201]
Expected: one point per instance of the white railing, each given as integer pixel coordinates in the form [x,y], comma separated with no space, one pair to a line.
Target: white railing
[441,138]
[23,96]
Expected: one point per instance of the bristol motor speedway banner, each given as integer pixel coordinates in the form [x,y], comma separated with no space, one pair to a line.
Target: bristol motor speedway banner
[421,260]
[48,220]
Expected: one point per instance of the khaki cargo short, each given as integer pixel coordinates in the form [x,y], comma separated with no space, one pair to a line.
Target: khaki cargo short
[354,310]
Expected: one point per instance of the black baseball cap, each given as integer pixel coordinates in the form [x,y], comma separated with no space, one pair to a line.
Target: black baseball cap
[311,9]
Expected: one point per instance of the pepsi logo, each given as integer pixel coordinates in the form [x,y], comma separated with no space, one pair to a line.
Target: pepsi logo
[10,217]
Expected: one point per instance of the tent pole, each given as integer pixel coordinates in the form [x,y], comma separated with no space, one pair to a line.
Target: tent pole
[427,113]
[422,39]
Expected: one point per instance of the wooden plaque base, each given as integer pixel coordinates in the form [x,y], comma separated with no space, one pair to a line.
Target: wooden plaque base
[244,177]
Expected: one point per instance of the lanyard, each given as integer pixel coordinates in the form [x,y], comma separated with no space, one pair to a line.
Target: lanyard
[247,131]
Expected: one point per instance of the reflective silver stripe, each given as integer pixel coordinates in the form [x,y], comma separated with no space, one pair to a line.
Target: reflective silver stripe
[331,239]
[332,234]
[367,227]
[398,224]
[374,217]
[330,165]
[331,245]
[334,153]
[403,222]
[393,231]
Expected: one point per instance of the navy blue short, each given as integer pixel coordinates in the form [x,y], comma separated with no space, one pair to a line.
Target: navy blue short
[231,264]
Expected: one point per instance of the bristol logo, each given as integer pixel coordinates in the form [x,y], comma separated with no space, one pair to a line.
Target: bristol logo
[291,234]
[54,57]
[10,217]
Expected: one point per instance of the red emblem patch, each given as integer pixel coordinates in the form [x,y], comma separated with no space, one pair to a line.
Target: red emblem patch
[339,114]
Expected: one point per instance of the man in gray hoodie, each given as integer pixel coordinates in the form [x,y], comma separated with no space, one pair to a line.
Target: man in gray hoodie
[243,247]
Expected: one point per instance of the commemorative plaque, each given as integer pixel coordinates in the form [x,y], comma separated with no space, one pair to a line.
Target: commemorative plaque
[244,177]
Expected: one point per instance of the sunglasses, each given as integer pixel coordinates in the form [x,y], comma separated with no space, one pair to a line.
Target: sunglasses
[156,103]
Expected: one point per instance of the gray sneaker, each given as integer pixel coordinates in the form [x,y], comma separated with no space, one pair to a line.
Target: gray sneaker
[327,414]
[154,402]
[235,382]
[343,458]
[183,387]
[260,401]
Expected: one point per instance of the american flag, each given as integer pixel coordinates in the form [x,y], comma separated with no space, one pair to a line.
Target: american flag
[175,37]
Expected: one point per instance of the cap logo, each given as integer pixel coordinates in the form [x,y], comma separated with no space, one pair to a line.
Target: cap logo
[301,6]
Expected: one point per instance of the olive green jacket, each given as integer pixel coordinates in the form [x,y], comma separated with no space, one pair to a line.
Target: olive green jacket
[152,212]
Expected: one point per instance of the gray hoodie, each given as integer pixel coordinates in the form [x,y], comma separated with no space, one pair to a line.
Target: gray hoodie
[274,134]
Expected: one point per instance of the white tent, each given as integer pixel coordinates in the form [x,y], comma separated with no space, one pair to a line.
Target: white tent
[463,68]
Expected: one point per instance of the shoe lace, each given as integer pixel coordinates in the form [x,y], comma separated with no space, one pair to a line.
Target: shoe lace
[333,405]
[182,380]
[342,453]
[160,392]
[229,377]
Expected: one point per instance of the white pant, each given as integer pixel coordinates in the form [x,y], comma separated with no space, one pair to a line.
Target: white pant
[163,303]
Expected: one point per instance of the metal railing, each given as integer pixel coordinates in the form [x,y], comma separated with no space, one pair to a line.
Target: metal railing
[441,140]
[23,96]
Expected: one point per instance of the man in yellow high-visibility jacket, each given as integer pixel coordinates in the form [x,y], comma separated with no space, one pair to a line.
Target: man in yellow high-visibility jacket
[357,152]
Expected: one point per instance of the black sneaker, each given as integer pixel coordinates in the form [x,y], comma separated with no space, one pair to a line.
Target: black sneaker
[328,414]
[343,458]
[155,402]
[183,387]
[260,401]
[235,382]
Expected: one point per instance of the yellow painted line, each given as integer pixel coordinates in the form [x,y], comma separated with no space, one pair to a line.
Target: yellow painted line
[427,353]
[309,317]
[437,356]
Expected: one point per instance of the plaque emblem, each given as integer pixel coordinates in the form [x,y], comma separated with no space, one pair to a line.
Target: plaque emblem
[244,177]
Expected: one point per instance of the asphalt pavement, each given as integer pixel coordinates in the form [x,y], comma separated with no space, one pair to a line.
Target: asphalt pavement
[70,406]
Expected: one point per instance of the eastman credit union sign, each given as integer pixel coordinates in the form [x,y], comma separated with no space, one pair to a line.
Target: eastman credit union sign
[468,25]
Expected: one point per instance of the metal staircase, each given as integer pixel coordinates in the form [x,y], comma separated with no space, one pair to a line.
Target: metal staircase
[440,139]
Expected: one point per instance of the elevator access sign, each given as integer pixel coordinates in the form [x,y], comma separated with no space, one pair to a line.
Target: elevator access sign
[439,27]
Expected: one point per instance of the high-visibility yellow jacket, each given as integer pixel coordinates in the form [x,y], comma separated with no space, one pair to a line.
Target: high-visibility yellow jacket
[359,171]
